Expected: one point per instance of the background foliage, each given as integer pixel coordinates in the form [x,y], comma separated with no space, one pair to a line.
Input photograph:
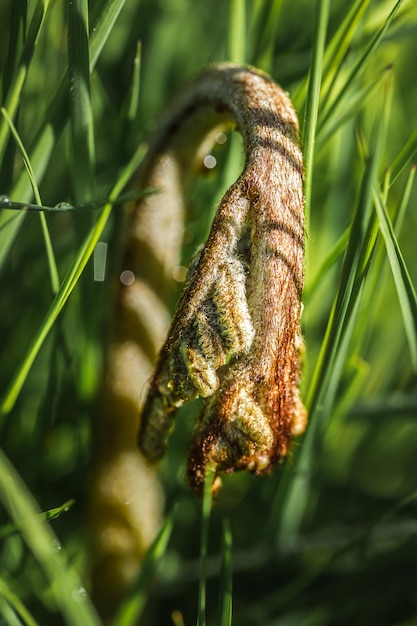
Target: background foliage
[331,537]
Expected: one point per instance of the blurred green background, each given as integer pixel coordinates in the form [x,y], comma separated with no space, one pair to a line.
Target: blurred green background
[331,538]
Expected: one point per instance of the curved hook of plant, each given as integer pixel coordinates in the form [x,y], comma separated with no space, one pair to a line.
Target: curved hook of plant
[235,337]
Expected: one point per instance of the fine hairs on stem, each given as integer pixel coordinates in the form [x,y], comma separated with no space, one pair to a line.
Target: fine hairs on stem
[235,336]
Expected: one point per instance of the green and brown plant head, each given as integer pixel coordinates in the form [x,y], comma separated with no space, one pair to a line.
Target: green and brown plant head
[235,337]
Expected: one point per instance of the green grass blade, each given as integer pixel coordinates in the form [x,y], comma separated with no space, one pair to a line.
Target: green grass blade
[64,583]
[331,258]
[134,92]
[103,23]
[82,129]
[358,68]
[292,497]
[237,31]
[131,609]
[18,606]
[312,104]
[204,534]
[356,100]
[399,215]
[17,30]
[405,288]
[67,286]
[53,269]
[226,579]
[56,119]
[339,46]
[15,90]
[264,25]
[8,614]
[47,516]
[405,155]
[335,52]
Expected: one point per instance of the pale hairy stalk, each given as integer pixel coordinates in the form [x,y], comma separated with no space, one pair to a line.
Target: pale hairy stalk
[235,336]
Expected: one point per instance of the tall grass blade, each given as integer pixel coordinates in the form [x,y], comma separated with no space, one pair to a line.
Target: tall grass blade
[133,101]
[356,100]
[405,288]
[17,31]
[131,609]
[15,90]
[405,155]
[64,584]
[237,31]
[102,26]
[204,534]
[331,258]
[53,269]
[359,66]
[67,285]
[335,52]
[399,215]
[226,579]
[264,22]
[82,130]
[47,516]
[19,608]
[313,96]
[50,130]
[8,614]
[292,497]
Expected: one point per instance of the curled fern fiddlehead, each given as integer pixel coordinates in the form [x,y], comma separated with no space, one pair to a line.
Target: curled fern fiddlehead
[235,337]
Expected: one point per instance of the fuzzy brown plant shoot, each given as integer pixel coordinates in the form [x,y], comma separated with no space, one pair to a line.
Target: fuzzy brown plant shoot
[235,336]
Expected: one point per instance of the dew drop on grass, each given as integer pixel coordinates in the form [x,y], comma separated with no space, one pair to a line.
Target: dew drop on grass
[4,199]
[79,594]
[64,206]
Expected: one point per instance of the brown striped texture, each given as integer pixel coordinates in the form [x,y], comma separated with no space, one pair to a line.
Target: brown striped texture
[235,336]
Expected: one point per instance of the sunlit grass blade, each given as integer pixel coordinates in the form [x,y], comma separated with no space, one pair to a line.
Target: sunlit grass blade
[335,52]
[331,258]
[237,31]
[8,614]
[405,288]
[82,130]
[204,534]
[64,583]
[399,214]
[291,498]
[102,26]
[405,155]
[133,97]
[226,579]
[47,516]
[131,609]
[15,90]
[53,124]
[312,104]
[358,67]
[19,608]
[53,269]
[264,22]
[339,46]
[67,285]
[355,102]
